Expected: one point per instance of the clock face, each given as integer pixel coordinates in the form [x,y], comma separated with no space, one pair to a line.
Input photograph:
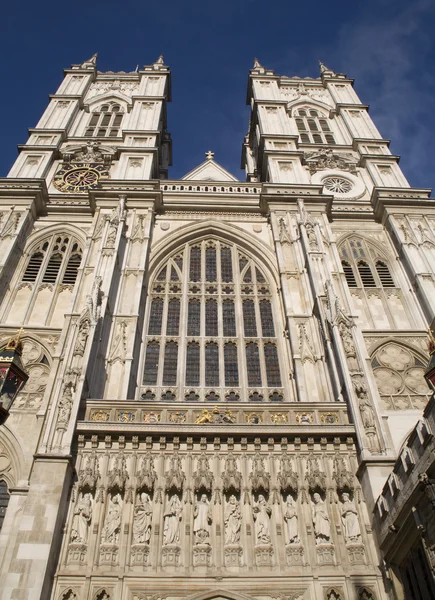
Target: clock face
[79,178]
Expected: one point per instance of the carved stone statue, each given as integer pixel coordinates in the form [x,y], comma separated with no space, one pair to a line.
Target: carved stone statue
[65,406]
[349,346]
[291,521]
[232,521]
[172,518]
[112,524]
[349,517]
[262,512]
[82,519]
[142,520]
[82,337]
[88,476]
[367,412]
[322,526]
[202,520]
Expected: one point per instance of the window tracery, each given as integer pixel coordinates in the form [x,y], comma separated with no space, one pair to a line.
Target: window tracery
[362,266]
[313,127]
[54,261]
[399,374]
[105,121]
[215,331]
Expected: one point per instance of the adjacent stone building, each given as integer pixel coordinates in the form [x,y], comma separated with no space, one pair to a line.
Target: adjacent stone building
[222,373]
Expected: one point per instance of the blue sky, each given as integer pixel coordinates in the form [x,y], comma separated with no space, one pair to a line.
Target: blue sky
[385,45]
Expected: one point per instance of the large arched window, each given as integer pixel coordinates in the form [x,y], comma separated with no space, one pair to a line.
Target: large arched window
[212,330]
[105,121]
[313,127]
[54,261]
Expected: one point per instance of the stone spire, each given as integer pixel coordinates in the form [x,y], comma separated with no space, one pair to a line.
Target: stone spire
[90,63]
[324,68]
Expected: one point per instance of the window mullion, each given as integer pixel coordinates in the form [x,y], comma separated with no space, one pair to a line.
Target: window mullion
[182,329]
[240,341]
[163,336]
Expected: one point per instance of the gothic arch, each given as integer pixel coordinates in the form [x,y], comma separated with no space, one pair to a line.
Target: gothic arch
[225,232]
[218,593]
[383,251]
[38,235]
[408,346]
[105,97]
[311,103]
[11,458]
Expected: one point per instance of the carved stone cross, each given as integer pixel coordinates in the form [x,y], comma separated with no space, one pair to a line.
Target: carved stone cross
[209,155]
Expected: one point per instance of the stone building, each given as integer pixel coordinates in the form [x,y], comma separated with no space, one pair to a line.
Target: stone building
[222,373]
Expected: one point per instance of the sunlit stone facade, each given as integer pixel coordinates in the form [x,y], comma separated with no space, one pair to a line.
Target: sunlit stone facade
[222,373]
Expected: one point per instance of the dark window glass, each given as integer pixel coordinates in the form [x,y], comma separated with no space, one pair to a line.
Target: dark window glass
[312,125]
[162,275]
[349,274]
[229,318]
[174,274]
[314,113]
[72,267]
[267,327]
[317,138]
[151,363]
[211,364]
[117,121]
[384,274]
[305,138]
[231,366]
[33,267]
[53,267]
[329,138]
[192,364]
[300,124]
[179,262]
[4,501]
[195,264]
[211,318]
[156,312]
[253,365]
[260,276]
[105,121]
[272,365]
[170,365]
[242,263]
[173,322]
[324,125]
[366,274]
[226,265]
[194,317]
[249,318]
[94,120]
[210,264]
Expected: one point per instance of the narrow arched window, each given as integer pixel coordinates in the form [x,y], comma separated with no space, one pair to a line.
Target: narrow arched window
[313,127]
[214,334]
[384,274]
[56,260]
[349,274]
[366,274]
[4,501]
[105,121]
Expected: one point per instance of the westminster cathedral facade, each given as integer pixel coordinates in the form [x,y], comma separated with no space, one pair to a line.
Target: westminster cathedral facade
[223,374]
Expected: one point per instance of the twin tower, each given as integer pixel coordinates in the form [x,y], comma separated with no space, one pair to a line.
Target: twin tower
[223,375]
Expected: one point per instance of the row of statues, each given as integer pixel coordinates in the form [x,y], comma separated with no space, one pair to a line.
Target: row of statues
[202,520]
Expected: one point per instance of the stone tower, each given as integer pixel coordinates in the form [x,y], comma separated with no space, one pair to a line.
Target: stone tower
[222,373]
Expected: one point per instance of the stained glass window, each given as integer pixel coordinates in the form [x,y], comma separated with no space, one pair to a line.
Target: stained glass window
[210,264]
[151,363]
[226,265]
[272,365]
[266,319]
[211,364]
[173,317]
[249,320]
[231,364]
[171,360]
[211,318]
[229,318]
[195,264]
[253,365]
[155,322]
[194,317]
[192,364]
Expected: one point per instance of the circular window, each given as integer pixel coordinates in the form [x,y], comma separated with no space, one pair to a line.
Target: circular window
[337,185]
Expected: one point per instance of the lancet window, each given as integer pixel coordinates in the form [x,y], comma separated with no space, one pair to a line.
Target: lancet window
[54,261]
[313,127]
[212,327]
[362,267]
[105,121]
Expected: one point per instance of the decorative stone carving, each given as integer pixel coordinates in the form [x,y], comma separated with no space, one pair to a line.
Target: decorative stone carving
[284,234]
[349,345]
[287,478]
[295,555]
[102,87]
[89,475]
[201,555]
[261,513]
[232,521]
[202,520]
[367,413]
[291,521]
[139,230]
[119,346]
[140,554]
[263,555]
[334,594]
[342,476]
[366,594]
[93,300]
[82,519]
[82,337]
[171,556]
[233,555]
[175,476]
[11,225]
[146,476]
[142,519]
[349,517]
[325,555]
[171,521]
[231,476]
[306,351]
[315,478]
[117,215]
[203,477]
[92,152]
[322,526]
[118,475]
[217,416]
[112,523]
[259,477]
[325,158]
[65,406]
[356,554]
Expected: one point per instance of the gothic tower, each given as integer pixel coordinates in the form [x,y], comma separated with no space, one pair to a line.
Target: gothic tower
[222,373]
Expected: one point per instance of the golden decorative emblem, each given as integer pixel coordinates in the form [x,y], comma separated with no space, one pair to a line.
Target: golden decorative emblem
[126,416]
[329,418]
[279,418]
[151,418]
[79,177]
[254,418]
[100,415]
[177,417]
[304,418]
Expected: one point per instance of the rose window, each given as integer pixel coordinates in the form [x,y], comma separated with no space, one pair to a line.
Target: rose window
[337,185]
